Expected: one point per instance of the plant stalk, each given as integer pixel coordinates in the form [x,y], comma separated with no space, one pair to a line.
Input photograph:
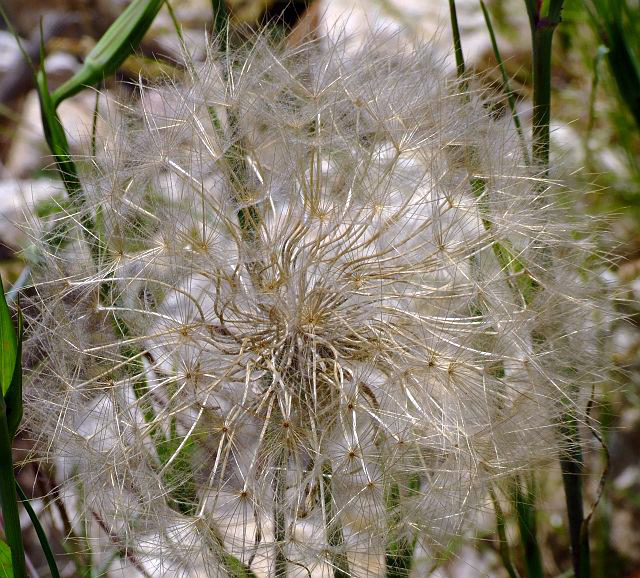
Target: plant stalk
[542,29]
[571,464]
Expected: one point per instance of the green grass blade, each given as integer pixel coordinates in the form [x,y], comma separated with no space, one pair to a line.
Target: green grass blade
[220,20]
[94,125]
[118,42]
[609,20]
[503,545]
[42,537]
[59,147]
[57,139]
[507,84]
[10,366]
[17,38]
[524,502]
[457,43]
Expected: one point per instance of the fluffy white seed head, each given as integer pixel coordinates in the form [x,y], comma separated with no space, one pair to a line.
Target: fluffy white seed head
[328,305]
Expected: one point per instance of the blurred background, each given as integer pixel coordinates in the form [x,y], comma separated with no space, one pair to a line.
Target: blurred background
[595,149]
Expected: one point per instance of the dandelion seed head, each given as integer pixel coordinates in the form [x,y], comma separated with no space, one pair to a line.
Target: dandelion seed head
[329,306]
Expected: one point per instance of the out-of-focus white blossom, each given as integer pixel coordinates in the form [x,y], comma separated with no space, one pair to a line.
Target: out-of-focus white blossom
[329,305]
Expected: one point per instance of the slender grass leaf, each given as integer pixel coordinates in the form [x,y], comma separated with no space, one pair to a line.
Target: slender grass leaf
[457,43]
[42,536]
[9,366]
[503,543]
[507,84]
[220,21]
[118,42]
[57,139]
[617,27]
[59,146]
[524,499]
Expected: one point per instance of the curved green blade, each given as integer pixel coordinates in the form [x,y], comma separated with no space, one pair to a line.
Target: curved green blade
[118,42]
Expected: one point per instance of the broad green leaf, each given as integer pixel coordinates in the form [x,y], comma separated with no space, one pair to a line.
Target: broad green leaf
[8,344]
[6,569]
[118,42]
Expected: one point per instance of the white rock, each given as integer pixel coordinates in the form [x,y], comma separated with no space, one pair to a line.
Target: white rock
[9,51]
[29,151]
[17,198]
[60,66]
[628,478]
[414,20]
